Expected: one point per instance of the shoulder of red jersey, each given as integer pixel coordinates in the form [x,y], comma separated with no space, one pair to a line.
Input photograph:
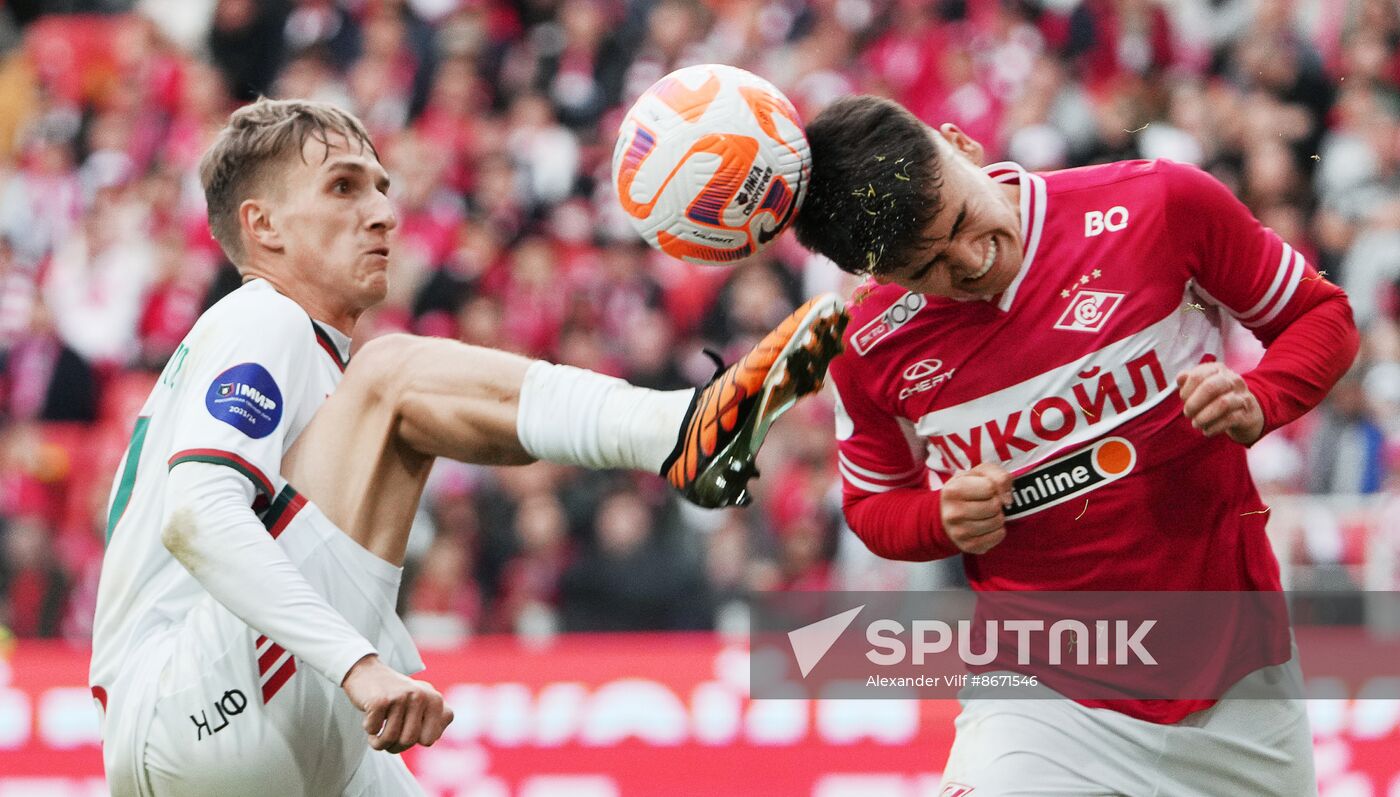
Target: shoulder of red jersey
[1162,176]
[877,312]
[1104,174]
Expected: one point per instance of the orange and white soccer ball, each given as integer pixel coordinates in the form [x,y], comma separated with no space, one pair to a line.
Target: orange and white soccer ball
[711,164]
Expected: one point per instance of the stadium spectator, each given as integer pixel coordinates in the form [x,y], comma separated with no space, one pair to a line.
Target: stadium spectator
[32,581]
[45,380]
[1348,447]
[633,578]
[530,581]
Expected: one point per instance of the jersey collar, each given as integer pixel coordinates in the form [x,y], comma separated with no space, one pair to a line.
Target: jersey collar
[335,343]
[1032,219]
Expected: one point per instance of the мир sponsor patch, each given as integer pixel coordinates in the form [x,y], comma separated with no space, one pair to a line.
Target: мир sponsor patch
[247,398]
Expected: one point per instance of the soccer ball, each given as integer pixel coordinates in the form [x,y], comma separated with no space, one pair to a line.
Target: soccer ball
[711,164]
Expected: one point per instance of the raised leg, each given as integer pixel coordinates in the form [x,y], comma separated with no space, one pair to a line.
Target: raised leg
[404,401]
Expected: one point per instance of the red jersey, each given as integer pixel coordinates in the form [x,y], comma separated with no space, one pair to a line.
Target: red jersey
[1068,380]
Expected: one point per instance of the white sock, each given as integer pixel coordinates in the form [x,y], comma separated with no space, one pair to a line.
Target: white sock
[577,417]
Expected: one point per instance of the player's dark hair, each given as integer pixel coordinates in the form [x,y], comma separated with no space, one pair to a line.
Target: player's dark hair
[874,187]
[257,139]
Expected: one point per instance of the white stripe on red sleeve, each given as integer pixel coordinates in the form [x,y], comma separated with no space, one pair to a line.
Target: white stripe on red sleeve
[1279,273]
[873,481]
[1285,283]
[1290,286]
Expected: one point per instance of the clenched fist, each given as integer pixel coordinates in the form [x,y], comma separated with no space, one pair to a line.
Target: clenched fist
[399,711]
[971,505]
[1218,400]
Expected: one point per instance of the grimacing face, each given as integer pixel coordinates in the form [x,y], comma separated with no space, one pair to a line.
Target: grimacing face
[974,248]
[333,221]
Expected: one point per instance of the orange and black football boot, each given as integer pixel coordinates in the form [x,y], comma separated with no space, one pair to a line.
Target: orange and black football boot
[728,418]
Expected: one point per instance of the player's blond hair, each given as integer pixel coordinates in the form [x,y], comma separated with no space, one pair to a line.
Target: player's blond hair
[257,138]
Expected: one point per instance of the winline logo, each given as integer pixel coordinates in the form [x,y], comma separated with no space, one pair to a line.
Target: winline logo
[1057,481]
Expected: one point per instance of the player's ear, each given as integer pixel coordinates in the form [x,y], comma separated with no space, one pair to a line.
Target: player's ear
[255,221]
[963,143]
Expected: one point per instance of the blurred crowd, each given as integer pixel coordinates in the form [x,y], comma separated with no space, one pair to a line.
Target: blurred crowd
[497,120]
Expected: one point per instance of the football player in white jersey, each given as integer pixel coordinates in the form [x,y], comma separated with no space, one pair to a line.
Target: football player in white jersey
[246,641]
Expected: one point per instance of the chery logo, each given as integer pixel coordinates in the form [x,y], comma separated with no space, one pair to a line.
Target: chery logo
[922,368]
[925,375]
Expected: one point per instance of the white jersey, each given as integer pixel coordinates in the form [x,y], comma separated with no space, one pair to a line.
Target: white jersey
[238,392]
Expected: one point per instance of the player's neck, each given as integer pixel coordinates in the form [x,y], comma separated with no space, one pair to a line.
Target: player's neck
[1013,193]
[340,318]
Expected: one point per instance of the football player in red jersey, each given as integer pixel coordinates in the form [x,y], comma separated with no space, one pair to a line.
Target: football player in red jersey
[1017,321]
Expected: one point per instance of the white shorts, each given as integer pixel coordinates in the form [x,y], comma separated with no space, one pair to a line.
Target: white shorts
[232,713]
[1239,747]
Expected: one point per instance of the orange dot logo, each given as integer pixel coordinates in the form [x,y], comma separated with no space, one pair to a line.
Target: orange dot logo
[1114,456]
